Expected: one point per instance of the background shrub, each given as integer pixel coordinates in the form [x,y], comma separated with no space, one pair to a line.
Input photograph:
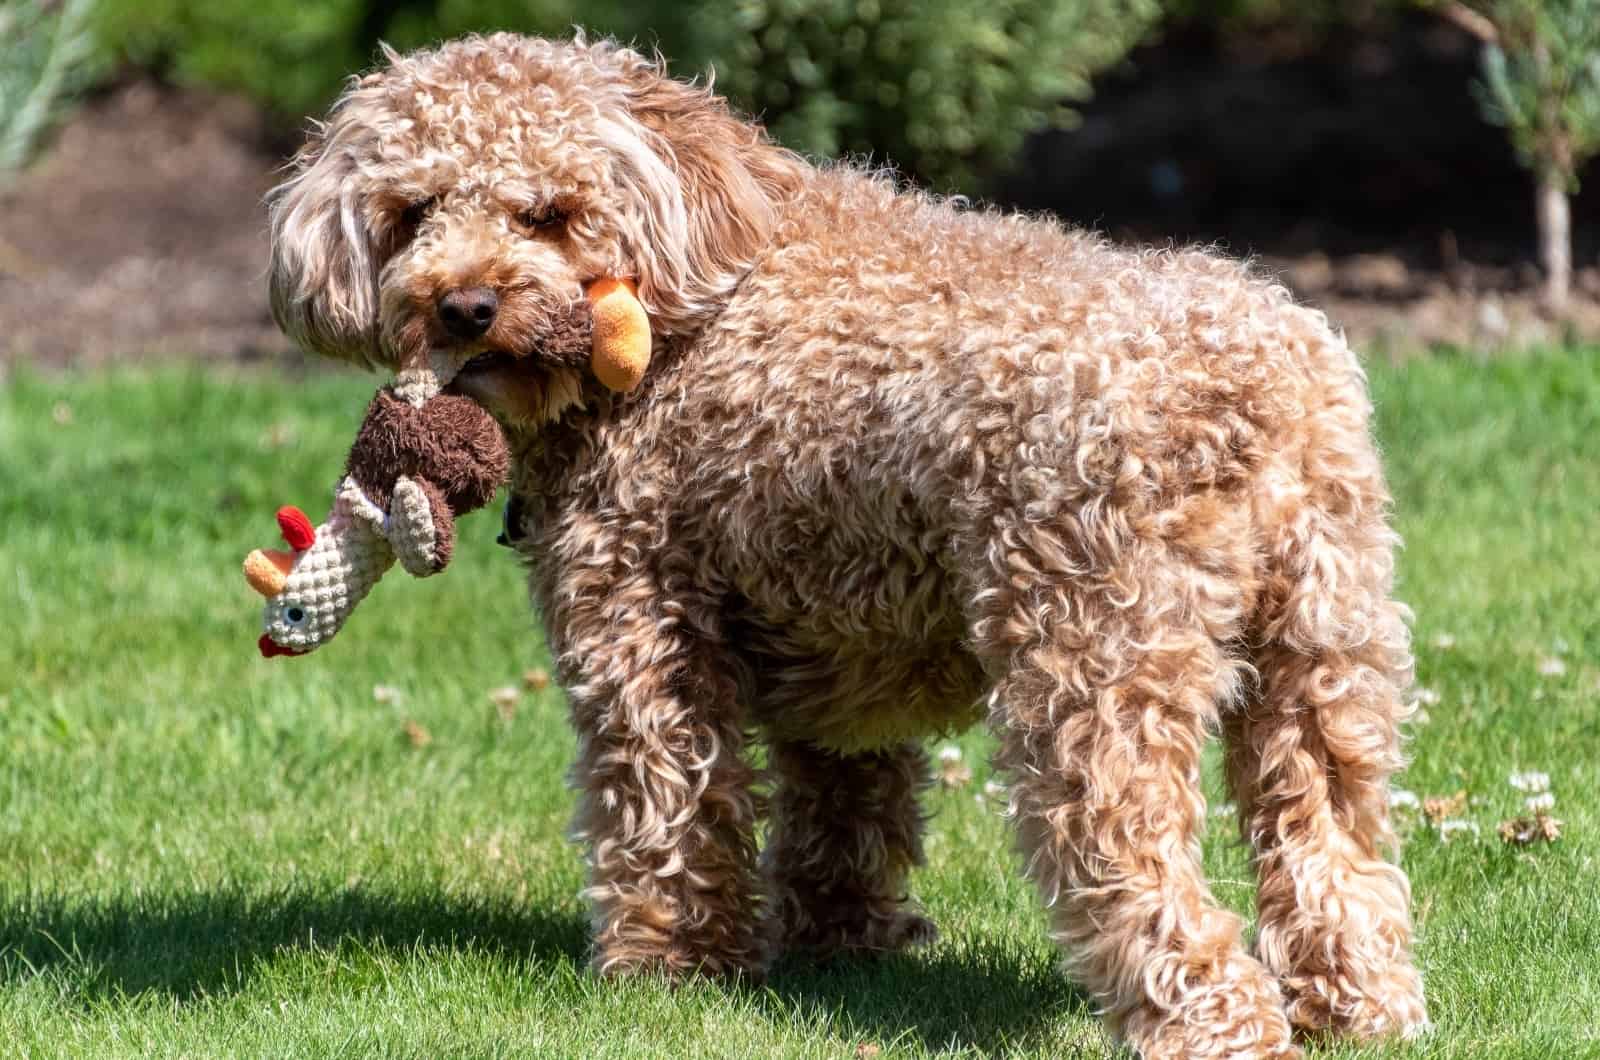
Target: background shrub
[1541,80]
[946,89]
[289,55]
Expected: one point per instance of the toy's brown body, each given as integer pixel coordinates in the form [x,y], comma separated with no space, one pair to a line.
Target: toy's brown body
[449,446]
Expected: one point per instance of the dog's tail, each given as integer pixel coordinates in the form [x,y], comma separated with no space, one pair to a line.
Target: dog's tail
[1331,644]
[1309,760]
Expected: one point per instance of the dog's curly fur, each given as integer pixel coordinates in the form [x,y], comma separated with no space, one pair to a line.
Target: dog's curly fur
[897,464]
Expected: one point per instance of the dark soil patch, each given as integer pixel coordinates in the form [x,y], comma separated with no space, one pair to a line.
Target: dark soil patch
[1355,166]
[140,232]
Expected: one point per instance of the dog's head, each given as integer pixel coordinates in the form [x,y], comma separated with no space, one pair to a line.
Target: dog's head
[460,199]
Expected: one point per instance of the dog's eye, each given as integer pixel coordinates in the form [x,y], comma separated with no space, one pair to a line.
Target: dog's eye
[542,219]
[412,215]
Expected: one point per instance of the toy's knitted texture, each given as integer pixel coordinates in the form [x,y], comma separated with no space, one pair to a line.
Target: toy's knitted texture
[413,531]
[326,581]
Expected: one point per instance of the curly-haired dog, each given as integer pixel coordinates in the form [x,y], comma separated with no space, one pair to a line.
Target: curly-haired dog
[896,464]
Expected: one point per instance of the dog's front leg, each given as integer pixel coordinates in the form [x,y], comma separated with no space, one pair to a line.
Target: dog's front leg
[665,801]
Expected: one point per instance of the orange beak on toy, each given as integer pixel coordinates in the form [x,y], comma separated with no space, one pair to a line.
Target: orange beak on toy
[622,339]
[267,569]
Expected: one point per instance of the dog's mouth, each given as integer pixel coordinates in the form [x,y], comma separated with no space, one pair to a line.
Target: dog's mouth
[487,368]
[489,361]
[520,391]
[527,384]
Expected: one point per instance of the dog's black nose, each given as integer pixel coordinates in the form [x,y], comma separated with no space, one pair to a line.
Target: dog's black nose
[467,312]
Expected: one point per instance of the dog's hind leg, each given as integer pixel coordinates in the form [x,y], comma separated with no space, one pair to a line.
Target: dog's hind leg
[665,798]
[1309,758]
[1110,684]
[846,831]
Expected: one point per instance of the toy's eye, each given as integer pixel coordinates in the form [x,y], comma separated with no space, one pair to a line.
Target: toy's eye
[295,616]
[542,219]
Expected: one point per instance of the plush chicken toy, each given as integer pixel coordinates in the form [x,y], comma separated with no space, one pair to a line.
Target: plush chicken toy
[421,458]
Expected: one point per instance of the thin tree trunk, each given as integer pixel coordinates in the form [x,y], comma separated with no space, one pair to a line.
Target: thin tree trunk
[1554,174]
[1555,239]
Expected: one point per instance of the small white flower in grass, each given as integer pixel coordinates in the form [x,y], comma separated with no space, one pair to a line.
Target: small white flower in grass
[1224,809]
[505,699]
[1531,781]
[1540,803]
[1551,666]
[278,436]
[953,773]
[1427,697]
[1450,829]
[994,794]
[385,694]
[1444,641]
[1401,799]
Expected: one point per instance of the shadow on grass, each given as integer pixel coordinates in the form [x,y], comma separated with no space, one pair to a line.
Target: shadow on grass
[992,996]
[988,995]
[193,945]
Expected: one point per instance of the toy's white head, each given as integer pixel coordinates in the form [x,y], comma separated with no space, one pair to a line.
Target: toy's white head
[313,589]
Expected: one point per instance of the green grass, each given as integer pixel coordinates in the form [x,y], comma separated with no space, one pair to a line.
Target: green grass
[203,853]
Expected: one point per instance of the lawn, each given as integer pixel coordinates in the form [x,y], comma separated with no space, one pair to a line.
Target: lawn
[361,853]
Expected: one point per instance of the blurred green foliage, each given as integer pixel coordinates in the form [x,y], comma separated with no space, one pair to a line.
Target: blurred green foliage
[1541,81]
[947,89]
[293,55]
[288,54]
[47,53]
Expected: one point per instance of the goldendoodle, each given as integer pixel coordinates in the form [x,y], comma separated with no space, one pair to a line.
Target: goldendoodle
[896,465]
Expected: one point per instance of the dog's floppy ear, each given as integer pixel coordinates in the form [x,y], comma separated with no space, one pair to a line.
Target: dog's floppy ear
[324,270]
[710,186]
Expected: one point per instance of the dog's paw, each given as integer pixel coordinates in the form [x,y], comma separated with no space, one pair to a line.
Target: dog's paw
[737,951]
[871,933]
[677,965]
[1388,1005]
[1239,1016]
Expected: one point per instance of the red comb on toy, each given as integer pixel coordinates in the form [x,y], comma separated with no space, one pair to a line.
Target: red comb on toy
[297,529]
